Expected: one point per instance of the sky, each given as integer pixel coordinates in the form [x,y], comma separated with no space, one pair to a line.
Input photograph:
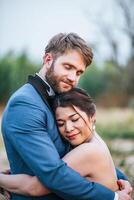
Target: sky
[27,25]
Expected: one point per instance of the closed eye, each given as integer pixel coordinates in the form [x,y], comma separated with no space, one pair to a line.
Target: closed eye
[79,73]
[68,66]
[75,119]
[60,123]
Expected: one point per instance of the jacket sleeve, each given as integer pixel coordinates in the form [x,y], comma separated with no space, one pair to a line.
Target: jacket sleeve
[120,175]
[28,134]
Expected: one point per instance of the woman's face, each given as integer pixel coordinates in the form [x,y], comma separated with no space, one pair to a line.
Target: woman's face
[74,126]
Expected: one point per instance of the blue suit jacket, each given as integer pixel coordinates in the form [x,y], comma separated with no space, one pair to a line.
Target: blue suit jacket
[34,147]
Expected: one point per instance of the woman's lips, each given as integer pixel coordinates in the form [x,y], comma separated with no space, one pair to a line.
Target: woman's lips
[72,137]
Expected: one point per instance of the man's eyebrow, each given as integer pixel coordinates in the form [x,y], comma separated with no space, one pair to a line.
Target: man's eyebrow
[67,63]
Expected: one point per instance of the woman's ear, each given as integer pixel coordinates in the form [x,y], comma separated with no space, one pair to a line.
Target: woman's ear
[92,121]
[93,118]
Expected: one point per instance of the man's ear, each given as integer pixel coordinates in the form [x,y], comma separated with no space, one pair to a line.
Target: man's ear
[48,60]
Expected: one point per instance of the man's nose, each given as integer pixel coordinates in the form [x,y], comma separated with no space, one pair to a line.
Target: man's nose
[72,76]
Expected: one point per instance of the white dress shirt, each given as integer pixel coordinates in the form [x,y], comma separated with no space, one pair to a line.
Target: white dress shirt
[116,196]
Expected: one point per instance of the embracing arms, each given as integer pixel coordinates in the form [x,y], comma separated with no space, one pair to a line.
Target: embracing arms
[77,159]
[33,186]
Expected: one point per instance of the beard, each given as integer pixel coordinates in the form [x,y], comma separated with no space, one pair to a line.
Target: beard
[55,80]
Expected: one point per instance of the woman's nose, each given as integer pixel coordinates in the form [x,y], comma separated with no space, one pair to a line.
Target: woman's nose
[69,127]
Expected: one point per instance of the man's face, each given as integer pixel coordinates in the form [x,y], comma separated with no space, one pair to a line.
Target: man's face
[64,73]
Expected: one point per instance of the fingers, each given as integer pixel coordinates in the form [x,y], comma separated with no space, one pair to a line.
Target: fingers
[123,195]
[7,171]
[121,186]
[125,185]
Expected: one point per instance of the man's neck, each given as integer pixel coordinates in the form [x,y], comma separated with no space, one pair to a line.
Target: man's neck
[51,91]
[41,74]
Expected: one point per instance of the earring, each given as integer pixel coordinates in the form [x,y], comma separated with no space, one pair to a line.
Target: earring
[93,127]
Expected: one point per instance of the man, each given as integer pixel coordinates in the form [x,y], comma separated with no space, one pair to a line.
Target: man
[30,134]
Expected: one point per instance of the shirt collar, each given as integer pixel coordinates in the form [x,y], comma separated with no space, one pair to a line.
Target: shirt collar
[50,91]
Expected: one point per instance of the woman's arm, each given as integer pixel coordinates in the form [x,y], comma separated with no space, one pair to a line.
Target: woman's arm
[31,186]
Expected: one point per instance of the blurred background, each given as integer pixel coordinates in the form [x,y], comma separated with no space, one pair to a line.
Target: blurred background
[108,27]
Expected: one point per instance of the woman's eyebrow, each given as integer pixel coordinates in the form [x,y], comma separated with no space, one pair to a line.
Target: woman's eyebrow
[69,116]
[73,115]
[59,120]
[77,112]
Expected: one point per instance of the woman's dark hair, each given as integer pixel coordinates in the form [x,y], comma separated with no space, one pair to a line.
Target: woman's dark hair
[77,97]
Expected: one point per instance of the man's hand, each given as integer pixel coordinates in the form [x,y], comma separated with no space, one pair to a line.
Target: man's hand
[123,195]
[123,184]
[125,190]
[7,171]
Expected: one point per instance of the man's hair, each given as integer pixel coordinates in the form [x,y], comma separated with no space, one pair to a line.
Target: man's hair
[62,42]
[77,97]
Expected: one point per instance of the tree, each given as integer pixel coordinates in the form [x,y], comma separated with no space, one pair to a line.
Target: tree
[111,30]
[13,73]
[127,8]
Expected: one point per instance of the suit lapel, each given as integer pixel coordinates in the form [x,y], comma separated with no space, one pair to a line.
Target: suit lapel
[41,87]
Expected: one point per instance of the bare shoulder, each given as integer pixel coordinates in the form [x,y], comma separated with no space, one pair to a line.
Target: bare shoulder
[93,155]
[88,147]
[84,158]
[86,150]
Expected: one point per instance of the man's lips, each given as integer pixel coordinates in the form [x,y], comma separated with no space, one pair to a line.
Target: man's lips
[66,85]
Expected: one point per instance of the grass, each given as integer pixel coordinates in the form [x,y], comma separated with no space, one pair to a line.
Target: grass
[115,123]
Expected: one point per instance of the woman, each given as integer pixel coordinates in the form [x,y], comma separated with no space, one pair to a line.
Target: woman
[75,115]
